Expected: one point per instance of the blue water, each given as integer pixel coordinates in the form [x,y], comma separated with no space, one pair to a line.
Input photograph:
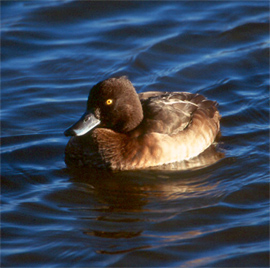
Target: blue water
[214,215]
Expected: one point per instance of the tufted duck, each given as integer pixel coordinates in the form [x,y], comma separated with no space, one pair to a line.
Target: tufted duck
[123,130]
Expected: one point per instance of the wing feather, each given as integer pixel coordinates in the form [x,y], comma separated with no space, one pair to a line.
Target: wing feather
[171,112]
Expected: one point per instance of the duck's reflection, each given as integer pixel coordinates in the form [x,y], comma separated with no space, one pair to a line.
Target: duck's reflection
[125,203]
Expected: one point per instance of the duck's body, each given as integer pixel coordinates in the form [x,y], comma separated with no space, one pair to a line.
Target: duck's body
[137,131]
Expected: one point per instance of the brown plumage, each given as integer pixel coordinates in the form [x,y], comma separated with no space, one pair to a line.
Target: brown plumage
[143,130]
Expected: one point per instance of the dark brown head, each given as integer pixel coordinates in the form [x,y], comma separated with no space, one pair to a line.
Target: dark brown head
[112,103]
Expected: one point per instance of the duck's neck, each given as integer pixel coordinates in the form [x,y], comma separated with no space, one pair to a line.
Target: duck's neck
[131,119]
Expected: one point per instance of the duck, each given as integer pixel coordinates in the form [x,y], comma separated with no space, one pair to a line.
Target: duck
[123,130]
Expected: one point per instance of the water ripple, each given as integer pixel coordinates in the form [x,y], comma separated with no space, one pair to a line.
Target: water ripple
[211,211]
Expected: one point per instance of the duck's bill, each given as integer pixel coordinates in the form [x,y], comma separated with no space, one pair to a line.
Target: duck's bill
[87,122]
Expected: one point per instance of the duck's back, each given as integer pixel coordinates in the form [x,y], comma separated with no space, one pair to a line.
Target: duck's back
[172,112]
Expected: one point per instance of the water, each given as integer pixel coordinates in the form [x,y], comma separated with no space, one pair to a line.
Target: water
[210,216]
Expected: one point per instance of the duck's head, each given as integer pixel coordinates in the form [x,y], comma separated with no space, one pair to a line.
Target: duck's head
[112,103]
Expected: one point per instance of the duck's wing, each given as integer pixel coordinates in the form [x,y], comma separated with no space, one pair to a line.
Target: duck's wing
[172,112]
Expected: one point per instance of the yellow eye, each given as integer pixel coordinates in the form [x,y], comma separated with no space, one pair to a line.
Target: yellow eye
[109,101]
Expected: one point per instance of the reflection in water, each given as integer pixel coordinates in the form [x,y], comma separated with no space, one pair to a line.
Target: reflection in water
[122,204]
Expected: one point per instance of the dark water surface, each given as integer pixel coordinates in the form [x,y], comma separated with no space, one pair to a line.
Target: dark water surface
[214,215]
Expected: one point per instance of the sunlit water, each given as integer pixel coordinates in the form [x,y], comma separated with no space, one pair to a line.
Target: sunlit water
[213,215]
